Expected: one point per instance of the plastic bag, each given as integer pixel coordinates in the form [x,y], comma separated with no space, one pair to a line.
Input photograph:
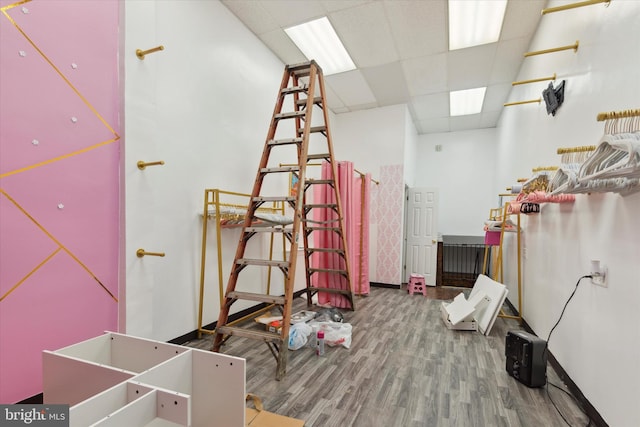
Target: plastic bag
[329,315]
[298,335]
[335,333]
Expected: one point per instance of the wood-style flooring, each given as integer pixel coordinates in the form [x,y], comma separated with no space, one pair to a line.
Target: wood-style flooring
[404,368]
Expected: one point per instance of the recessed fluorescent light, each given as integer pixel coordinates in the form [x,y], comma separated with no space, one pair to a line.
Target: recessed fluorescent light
[318,41]
[464,102]
[476,22]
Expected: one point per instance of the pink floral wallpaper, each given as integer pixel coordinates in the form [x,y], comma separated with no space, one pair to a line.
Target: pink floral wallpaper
[387,210]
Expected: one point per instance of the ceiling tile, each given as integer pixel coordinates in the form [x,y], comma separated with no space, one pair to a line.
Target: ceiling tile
[333,5]
[509,56]
[495,97]
[252,14]
[351,88]
[400,47]
[288,13]
[333,100]
[471,67]
[419,28]
[427,74]
[387,83]
[464,122]
[430,106]
[365,33]
[521,18]
[489,119]
[283,47]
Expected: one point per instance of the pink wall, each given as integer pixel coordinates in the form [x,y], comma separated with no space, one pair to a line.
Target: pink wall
[59,160]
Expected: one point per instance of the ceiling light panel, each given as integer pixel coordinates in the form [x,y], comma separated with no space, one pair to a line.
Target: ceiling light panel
[465,102]
[318,41]
[472,23]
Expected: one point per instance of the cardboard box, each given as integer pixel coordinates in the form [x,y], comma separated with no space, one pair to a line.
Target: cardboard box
[263,418]
[260,418]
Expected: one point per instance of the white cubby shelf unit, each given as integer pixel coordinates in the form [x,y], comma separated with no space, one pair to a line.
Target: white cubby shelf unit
[120,380]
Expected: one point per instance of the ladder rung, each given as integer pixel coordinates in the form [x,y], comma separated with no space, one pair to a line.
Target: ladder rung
[319,181]
[326,250]
[316,100]
[274,199]
[314,129]
[300,66]
[249,296]
[294,89]
[330,290]
[318,156]
[290,115]
[262,262]
[249,333]
[326,270]
[281,169]
[336,229]
[266,229]
[320,206]
[284,141]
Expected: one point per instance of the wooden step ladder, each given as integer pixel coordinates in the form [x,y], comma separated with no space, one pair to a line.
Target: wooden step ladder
[298,91]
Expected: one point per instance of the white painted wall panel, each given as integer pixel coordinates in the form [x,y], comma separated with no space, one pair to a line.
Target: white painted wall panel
[598,339]
[203,105]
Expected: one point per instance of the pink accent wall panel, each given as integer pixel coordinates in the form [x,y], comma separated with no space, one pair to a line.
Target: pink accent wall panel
[59,174]
[387,211]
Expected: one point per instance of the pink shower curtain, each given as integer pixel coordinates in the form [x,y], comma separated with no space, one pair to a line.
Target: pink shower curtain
[356,223]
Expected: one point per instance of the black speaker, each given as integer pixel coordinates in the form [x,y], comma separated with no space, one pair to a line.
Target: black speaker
[526,358]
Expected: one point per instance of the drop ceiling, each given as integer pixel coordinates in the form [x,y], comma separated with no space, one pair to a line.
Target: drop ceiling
[400,48]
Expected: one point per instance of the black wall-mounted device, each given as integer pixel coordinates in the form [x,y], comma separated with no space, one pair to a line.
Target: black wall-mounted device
[526,358]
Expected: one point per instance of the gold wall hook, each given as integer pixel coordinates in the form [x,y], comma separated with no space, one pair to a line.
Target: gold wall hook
[142,164]
[541,79]
[573,6]
[141,53]
[555,49]
[141,252]
[509,104]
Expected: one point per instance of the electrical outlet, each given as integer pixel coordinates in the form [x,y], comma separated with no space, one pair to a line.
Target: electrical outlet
[598,274]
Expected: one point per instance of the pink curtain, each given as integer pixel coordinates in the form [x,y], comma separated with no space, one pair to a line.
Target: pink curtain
[356,223]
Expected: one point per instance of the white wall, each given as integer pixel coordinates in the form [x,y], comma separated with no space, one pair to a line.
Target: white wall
[411,163]
[203,105]
[464,173]
[374,140]
[598,340]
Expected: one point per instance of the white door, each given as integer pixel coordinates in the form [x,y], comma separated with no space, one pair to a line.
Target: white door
[422,236]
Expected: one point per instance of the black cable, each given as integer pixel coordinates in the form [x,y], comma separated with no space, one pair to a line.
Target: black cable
[546,346]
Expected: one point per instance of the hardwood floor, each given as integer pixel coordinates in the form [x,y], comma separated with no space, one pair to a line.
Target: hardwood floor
[404,369]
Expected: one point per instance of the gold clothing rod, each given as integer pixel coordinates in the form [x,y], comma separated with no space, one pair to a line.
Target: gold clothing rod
[509,104]
[581,149]
[618,114]
[141,53]
[573,6]
[541,79]
[363,175]
[555,49]
[544,168]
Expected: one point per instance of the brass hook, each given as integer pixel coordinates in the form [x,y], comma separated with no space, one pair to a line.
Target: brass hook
[141,252]
[142,165]
[141,53]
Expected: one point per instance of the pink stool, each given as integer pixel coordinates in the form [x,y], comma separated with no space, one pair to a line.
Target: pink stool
[417,284]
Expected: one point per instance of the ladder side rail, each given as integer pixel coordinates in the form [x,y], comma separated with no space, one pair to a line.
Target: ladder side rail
[336,189]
